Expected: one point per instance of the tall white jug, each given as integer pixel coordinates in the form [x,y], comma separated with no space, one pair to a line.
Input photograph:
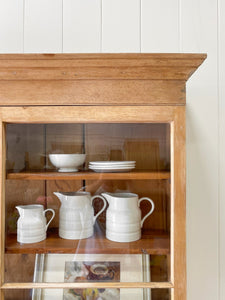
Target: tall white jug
[123,216]
[76,214]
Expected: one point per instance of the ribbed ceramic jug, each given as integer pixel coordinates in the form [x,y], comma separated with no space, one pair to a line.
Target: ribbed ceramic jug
[76,214]
[123,216]
[31,225]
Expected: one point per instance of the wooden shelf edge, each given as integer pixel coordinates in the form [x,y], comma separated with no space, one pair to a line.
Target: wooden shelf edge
[69,285]
[151,243]
[88,175]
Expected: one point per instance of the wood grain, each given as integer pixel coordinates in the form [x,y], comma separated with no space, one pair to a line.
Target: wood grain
[66,285]
[159,273]
[25,146]
[88,72]
[2,200]
[143,143]
[178,207]
[91,92]
[153,59]
[89,175]
[106,88]
[88,114]
[151,243]
[25,267]
[95,79]
[114,114]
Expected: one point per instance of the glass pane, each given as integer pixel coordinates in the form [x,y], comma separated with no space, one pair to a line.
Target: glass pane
[94,267]
[107,294]
[122,164]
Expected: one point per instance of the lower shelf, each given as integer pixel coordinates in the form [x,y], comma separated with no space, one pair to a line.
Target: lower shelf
[151,243]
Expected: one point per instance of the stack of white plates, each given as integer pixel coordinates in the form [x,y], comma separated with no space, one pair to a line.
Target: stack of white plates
[111,166]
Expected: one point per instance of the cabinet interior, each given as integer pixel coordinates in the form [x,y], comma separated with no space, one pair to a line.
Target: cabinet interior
[31,178]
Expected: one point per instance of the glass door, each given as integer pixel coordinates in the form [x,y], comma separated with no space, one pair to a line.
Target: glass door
[119,172]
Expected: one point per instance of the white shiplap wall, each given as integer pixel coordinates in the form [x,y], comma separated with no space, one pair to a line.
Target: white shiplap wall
[81,26]
[42,26]
[221,134]
[55,26]
[198,22]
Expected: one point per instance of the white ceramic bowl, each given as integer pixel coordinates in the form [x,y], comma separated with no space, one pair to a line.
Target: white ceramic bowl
[67,162]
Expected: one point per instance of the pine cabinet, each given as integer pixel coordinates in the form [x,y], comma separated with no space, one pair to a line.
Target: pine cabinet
[111,107]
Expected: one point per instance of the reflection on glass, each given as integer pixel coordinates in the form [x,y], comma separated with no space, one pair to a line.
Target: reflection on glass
[54,267]
[29,145]
[59,294]
[19,267]
[101,217]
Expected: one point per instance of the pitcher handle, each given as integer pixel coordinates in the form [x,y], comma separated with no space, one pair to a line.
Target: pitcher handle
[151,210]
[104,206]
[53,215]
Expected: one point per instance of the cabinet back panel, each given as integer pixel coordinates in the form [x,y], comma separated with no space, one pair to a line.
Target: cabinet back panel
[156,190]
[147,144]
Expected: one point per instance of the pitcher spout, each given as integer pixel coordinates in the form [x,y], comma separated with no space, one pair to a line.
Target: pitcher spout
[59,195]
[19,208]
[107,196]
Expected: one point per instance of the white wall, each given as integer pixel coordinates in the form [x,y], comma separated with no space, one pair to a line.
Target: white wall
[153,26]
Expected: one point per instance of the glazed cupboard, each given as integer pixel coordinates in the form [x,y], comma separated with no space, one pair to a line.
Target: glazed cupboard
[123,108]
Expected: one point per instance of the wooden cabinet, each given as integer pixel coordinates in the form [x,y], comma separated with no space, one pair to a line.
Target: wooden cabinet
[110,107]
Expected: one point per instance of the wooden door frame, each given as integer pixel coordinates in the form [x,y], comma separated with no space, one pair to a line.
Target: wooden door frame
[175,115]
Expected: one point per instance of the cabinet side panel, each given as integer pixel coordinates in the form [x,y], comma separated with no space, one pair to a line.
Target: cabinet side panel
[2,200]
[179,204]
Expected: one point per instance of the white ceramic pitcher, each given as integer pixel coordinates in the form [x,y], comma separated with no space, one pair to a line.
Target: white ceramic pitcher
[76,214]
[123,216]
[31,225]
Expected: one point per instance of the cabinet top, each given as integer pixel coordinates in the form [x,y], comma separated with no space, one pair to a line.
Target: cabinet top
[104,66]
[96,79]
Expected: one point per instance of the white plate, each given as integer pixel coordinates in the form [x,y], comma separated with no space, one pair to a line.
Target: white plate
[113,163]
[109,170]
[111,167]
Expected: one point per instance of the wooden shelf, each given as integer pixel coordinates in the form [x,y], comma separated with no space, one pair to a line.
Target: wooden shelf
[88,175]
[151,243]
